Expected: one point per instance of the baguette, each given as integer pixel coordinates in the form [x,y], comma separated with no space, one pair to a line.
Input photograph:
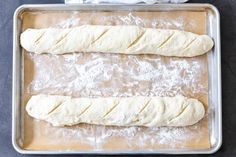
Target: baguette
[115,39]
[114,111]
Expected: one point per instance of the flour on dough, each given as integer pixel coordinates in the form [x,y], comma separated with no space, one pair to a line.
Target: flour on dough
[116,111]
[115,39]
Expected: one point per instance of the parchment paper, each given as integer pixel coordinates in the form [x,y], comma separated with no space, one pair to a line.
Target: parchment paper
[96,74]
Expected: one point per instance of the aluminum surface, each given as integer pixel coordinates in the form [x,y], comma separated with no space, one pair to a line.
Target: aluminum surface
[123,1]
[214,67]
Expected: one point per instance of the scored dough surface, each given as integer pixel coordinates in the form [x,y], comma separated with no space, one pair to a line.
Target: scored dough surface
[124,111]
[115,39]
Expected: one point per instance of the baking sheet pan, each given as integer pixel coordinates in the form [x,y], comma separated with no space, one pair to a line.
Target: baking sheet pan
[214,106]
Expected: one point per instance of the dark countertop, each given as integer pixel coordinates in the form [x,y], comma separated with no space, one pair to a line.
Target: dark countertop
[227,10]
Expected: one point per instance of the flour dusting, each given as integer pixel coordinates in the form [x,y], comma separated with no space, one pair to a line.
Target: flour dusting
[96,75]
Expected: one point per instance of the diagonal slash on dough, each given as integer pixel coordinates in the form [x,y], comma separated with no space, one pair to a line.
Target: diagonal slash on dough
[99,36]
[137,39]
[189,44]
[145,106]
[57,44]
[178,114]
[59,104]
[85,110]
[111,110]
[162,44]
[41,35]
[62,38]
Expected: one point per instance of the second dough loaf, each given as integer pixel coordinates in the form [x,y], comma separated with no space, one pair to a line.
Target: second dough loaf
[130,111]
[116,39]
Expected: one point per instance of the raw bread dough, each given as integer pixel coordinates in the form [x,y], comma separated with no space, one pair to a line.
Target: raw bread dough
[123,111]
[115,39]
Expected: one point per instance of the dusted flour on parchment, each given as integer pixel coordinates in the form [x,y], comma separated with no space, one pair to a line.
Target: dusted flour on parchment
[96,75]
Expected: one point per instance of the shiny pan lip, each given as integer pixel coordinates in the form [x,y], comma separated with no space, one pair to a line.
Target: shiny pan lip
[214,67]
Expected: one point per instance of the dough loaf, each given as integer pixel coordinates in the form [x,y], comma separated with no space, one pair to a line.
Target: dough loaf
[115,39]
[114,111]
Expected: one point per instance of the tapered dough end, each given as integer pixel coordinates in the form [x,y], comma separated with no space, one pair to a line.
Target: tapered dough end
[29,37]
[39,106]
[200,46]
[190,115]
[208,43]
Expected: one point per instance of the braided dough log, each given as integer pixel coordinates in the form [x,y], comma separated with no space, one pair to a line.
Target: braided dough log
[115,39]
[130,111]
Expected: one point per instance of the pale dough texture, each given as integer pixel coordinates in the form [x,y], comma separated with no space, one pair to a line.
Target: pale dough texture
[114,111]
[115,39]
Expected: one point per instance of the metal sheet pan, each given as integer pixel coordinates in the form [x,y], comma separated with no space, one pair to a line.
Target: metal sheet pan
[214,67]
